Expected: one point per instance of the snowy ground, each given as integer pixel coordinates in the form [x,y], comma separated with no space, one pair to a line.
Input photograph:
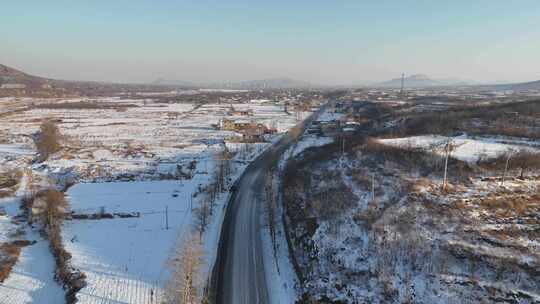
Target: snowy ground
[135,136]
[14,149]
[280,276]
[468,149]
[32,278]
[410,243]
[125,259]
[151,156]
[308,141]
[327,116]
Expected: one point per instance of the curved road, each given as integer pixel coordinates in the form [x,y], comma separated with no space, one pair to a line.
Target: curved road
[238,276]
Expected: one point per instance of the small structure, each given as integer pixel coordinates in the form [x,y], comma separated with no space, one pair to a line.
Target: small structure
[244,112]
[234,125]
[226,124]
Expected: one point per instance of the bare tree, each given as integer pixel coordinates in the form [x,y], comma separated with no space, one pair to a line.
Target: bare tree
[524,160]
[449,147]
[186,280]
[53,207]
[48,140]
[202,216]
[223,168]
[508,155]
[31,192]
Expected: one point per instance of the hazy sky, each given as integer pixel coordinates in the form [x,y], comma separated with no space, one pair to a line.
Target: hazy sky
[323,41]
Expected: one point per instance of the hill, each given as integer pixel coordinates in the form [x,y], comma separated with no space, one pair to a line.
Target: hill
[10,77]
[16,83]
[170,82]
[421,81]
[523,86]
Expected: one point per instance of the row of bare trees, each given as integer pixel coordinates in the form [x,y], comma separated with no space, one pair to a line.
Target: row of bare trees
[209,194]
[271,208]
[186,282]
[50,207]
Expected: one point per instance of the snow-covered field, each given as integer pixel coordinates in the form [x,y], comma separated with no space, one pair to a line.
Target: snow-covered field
[309,141]
[468,149]
[327,116]
[128,260]
[127,156]
[32,278]
[125,259]
[132,137]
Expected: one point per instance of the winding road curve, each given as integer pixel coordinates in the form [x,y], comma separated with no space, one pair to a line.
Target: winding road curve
[238,276]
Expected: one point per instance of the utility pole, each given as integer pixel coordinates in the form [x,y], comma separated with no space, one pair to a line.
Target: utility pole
[506,168]
[373,187]
[342,159]
[447,147]
[402,84]
[167,217]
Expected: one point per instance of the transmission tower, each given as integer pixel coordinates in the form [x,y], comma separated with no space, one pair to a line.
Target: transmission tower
[402,84]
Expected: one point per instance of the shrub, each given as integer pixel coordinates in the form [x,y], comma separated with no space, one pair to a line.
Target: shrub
[333,201]
[521,160]
[54,207]
[48,141]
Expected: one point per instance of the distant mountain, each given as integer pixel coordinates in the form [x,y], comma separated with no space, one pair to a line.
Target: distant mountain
[13,77]
[422,81]
[169,82]
[523,86]
[14,82]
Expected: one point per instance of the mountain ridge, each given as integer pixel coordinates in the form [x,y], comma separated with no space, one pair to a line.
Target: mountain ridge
[422,80]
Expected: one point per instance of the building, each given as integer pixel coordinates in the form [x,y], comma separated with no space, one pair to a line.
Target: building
[246,112]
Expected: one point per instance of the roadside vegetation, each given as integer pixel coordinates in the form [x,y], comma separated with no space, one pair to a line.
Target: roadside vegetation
[382,221]
[517,119]
[186,283]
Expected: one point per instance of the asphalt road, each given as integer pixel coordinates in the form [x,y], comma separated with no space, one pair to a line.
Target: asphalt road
[238,276]
[244,280]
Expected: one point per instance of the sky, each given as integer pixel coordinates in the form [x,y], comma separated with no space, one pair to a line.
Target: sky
[321,41]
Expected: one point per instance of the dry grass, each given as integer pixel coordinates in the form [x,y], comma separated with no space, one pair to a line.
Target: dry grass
[506,206]
[9,254]
[511,119]
[8,182]
[10,178]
